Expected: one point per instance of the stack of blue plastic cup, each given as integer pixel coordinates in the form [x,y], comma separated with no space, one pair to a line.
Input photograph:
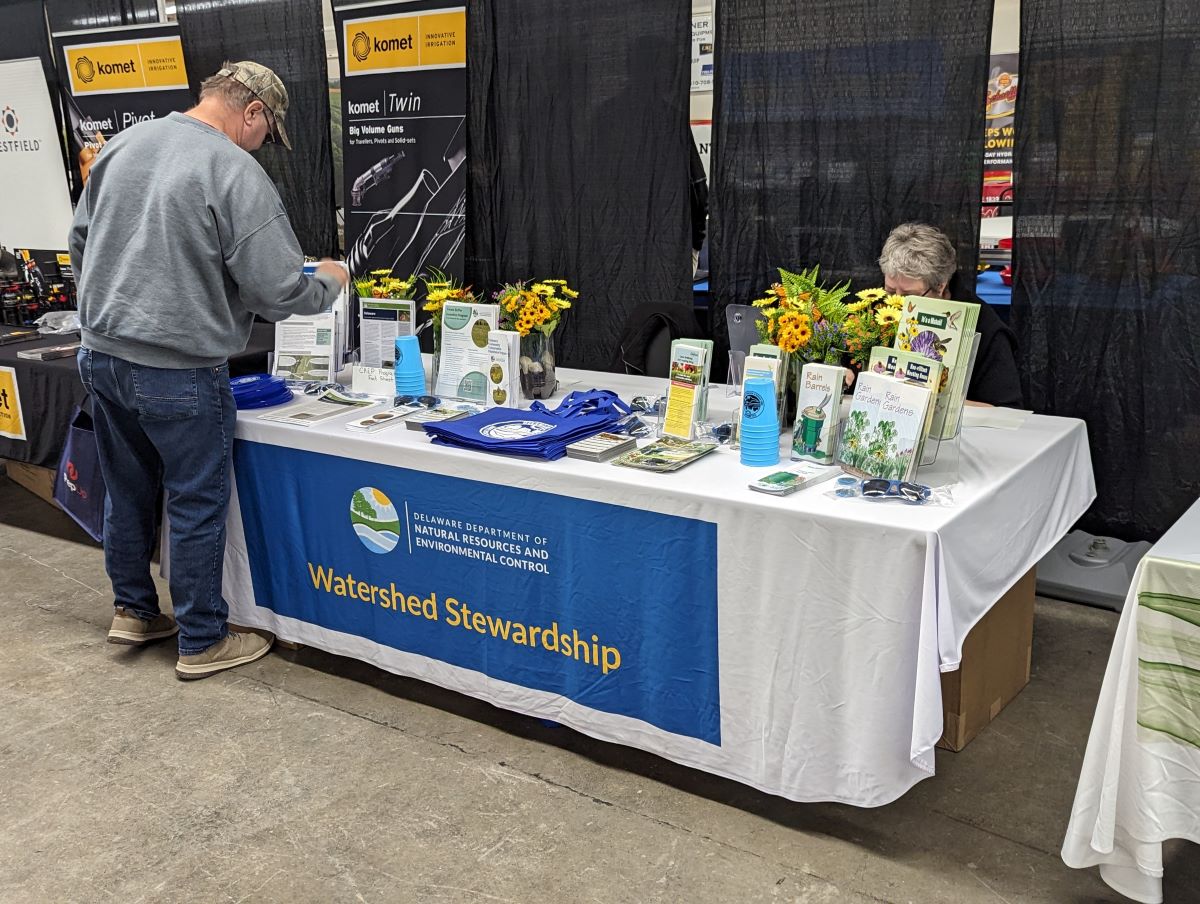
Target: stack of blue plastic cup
[760,423]
[410,369]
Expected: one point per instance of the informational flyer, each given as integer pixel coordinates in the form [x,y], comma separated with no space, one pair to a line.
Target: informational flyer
[381,320]
[304,348]
[326,407]
[465,360]
[404,140]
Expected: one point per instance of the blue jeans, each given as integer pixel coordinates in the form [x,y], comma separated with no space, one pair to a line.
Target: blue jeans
[165,430]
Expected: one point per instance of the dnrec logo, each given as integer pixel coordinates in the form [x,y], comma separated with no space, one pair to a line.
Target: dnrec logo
[361,46]
[374,520]
[85,69]
[10,121]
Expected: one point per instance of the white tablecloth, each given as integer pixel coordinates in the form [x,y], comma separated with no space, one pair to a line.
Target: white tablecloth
[835,615]
[1140,782]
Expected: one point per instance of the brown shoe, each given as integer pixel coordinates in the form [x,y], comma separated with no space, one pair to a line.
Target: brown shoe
[236,649]
[130,630]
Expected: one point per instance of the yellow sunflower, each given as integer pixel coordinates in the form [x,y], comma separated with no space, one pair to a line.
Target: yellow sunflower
[887,316]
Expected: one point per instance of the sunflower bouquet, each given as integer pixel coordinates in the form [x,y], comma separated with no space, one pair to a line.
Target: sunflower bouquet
[536,306]
[802,316]
[439,289]
[872,320]
[381,284]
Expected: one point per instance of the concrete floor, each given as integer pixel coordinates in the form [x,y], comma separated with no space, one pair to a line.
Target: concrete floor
[309,778]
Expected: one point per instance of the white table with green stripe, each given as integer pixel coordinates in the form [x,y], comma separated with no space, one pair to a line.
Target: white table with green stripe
[1140,783]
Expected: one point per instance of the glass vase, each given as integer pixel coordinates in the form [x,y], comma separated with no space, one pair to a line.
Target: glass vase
[538,380]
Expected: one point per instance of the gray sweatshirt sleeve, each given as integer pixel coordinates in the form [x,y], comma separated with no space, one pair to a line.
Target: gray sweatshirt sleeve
[77,237]
[266,266]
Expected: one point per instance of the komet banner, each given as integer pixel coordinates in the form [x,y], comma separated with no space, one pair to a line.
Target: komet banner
[404,142]
[114,78]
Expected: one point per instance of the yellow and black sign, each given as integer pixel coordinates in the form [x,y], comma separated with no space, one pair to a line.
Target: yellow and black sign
[427,40]
[111,67]
[12,424]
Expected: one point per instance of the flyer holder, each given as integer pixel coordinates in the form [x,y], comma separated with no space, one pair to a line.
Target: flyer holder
[947,448]
[741,320]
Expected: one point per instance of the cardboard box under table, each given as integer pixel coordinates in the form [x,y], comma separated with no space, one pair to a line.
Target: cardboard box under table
[995,666]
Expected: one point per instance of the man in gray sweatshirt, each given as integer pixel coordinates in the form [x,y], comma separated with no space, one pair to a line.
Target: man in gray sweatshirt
[179,239]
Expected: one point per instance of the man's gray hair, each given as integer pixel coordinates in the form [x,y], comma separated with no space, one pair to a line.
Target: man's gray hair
[235,95]
[919,251]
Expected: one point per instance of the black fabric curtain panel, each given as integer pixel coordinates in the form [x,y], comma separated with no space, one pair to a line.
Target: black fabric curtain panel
[578,157]
[835,121]
[288,36]
[69,15]
[1106,297]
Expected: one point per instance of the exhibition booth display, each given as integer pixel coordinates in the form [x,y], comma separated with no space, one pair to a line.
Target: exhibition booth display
[795,644]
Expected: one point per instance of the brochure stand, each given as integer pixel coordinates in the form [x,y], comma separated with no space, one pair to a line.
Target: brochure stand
[947,448]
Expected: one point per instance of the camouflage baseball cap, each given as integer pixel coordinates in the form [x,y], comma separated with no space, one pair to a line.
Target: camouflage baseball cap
[266,86]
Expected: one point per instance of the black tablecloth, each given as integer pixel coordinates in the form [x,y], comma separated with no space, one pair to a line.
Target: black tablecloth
[50,390]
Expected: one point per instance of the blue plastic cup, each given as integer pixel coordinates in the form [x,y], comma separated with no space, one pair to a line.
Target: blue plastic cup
[410,369]
[758,404]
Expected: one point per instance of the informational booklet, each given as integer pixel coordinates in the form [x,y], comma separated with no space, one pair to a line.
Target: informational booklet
[465,360]
[944,331]
[504,371]
[418,419]
[666,454]
[325,407]
[885,427]
[380,321]
[685,390]
[601,447]
[801,475]
[305,348]
[818,411]
[916,369]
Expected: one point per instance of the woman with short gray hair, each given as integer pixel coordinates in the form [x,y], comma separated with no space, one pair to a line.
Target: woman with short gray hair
[918,259]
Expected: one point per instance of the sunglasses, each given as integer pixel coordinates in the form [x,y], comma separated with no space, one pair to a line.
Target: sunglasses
[425,401]
[878,488]
[647,405]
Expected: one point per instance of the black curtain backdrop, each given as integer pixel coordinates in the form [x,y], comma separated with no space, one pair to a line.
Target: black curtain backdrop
[834,121]
[578,157]
[1106,299]
[69,15]
[288,36]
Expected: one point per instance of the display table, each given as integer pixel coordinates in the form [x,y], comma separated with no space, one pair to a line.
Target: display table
[50,390]
[793,644]
[1140,783]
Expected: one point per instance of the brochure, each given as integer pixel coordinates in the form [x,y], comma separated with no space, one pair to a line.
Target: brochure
[380,321]
[601,447]
[684,391]
[818,411]
[707,345]
[330,404]
[885,427]
[666,454]
[305,348]
[464,359]
[504,372]
[783,483]
[944,331]
[417,420]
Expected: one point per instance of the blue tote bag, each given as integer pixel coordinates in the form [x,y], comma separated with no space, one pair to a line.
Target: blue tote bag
[78,485]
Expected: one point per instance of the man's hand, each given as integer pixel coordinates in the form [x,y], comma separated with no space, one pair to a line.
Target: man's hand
[334,269]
